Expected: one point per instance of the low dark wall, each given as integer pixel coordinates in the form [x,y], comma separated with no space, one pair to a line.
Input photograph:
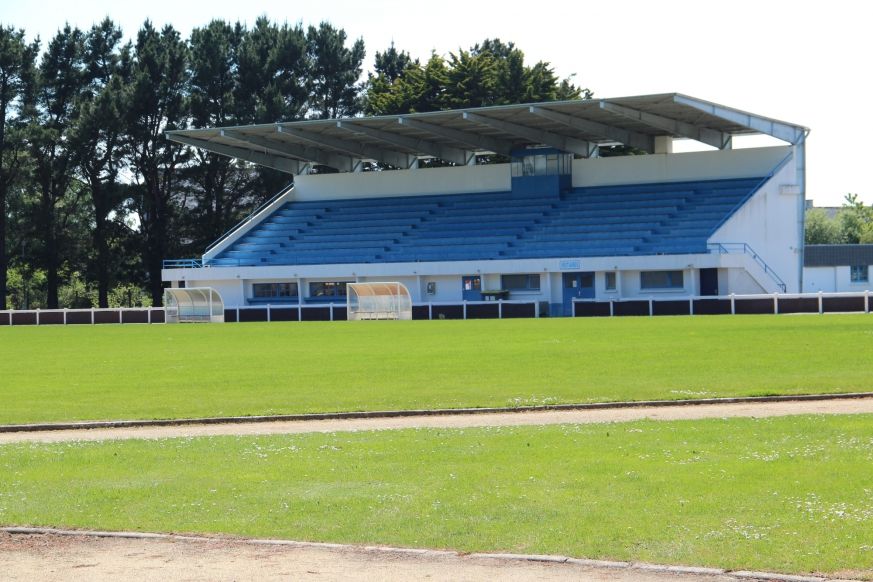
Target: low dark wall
[79,317]
[798,305]
[448,312]
[107,317]
[316,314]
[674,307]
[514,310]
[483,311]
[51,318]
[23,318]
[753,306]
[712,307]
[630,308]
[249,315]
[591,309]
[284,314]
[4,318]
[136,316]
[420,312]
[839,304]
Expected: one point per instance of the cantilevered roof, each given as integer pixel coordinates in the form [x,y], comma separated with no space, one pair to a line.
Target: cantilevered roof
[457,136]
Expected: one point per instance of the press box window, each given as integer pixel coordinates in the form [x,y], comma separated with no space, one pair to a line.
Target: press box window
[609,283]
[520,282]
[859,273]
[274,290]
[327,289]
[662,280]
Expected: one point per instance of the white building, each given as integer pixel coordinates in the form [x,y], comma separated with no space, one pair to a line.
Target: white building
[838,268]
[556,223]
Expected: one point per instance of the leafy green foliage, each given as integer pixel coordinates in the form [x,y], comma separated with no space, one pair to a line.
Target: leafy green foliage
[333,72]
[490,73]
[17,60]
[789,494]
[26,287]
[242,369]
[853,224]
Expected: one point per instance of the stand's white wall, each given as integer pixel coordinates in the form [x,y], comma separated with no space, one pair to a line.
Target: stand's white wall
[740,282]
[711,165]
[768,222]
[424,181]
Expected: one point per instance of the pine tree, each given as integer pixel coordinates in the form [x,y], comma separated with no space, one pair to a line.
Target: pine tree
[156,101]
[17,60]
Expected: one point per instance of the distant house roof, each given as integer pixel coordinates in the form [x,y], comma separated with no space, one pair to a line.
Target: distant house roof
[837,255]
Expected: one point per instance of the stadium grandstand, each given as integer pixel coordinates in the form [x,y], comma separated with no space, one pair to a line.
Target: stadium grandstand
[556,222]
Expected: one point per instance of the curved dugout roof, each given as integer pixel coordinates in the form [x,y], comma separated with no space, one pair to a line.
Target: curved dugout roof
[457,136]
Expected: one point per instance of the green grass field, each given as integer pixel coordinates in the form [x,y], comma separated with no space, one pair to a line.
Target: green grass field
[791,494]
[121,372]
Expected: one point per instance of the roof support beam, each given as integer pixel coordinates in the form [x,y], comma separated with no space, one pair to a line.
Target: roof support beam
[261,158]
[627,137]
[540,136]
[310,154]
[705,135]
[443,152]
[397,159]
[778,129]
[480,142]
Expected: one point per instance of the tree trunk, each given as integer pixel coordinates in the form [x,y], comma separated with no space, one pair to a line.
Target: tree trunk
[50,251]
[4,261]
[52,267]
[101,245]
[156,248]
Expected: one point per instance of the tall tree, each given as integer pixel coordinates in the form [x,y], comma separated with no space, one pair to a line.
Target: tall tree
[490,73]
[156,101]
[333,72]
[98,139]
[391,63]
[17,59]
[271,84]
[214,64]
[60,79]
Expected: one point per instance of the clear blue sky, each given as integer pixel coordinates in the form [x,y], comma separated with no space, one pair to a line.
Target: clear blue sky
[804,62]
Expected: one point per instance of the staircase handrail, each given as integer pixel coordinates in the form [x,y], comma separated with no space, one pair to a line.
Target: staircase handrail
[250,217]
[741,247]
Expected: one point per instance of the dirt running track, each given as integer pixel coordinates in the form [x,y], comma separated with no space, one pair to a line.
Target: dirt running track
[52,557]
[73,559]
[757,409]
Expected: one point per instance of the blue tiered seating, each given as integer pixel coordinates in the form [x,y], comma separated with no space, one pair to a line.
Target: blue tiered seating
[638,219]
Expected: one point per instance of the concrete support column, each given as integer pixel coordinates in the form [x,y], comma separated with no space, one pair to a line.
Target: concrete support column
[663,144]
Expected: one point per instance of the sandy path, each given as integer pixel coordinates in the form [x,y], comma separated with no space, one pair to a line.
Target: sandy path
[757,409]
[72,559]
[81,558]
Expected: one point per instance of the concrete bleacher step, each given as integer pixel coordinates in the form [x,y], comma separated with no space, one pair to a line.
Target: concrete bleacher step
[594,221]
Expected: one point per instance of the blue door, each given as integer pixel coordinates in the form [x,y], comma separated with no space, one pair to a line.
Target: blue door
[577,286]
[472,288]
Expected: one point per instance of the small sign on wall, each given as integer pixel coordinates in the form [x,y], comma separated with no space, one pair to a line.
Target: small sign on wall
[570,265]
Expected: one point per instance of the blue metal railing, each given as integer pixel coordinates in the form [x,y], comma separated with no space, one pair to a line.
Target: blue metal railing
[250,217]
[727,248]
[182,263]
